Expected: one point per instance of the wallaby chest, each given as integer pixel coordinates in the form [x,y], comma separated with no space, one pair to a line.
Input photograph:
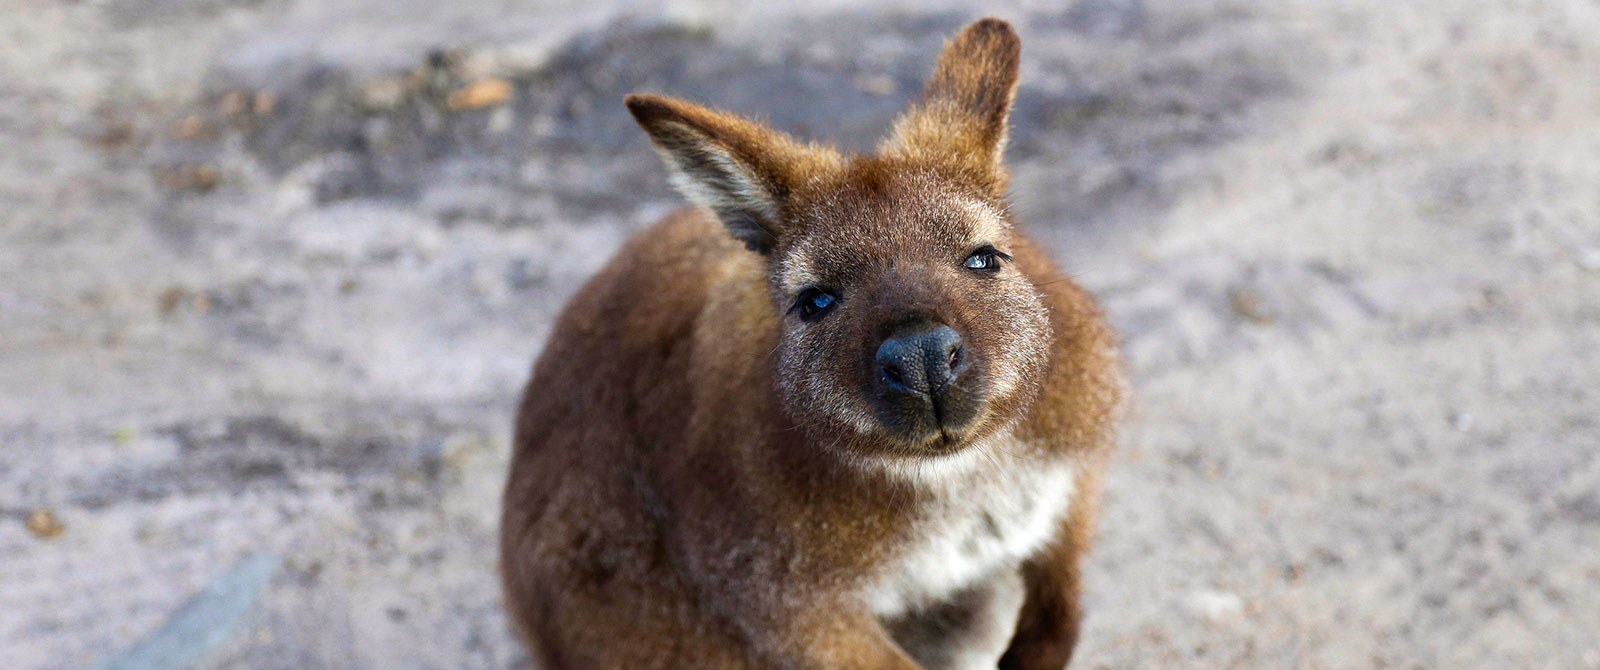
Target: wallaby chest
[968,527]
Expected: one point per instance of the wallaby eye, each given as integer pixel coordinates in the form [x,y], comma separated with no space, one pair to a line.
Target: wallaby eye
[985,259]
[814,303]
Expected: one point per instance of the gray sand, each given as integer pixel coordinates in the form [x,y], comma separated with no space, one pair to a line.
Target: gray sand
[262,289]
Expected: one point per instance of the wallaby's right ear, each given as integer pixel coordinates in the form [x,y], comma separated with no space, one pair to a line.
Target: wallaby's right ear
[742,171]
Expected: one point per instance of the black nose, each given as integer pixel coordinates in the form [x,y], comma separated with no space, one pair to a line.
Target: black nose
[920,361]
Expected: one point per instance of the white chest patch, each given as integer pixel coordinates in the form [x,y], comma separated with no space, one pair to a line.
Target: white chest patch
[974,525]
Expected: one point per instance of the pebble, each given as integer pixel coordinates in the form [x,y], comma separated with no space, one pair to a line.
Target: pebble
[525,57]
[486,92]
[876,84]
[1214,605]
[205,622]
[474,65]
[190,127]
[1248,304]
[382,94]
[232,103]
[1589,259]
[264,102]
[197,177]
[500,120]
[43,524]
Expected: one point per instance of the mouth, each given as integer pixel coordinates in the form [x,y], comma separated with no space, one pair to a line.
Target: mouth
[950,437]
[945,443]
[938,425]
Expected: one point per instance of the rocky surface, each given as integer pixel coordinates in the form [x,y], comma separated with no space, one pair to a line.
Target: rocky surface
[272,273]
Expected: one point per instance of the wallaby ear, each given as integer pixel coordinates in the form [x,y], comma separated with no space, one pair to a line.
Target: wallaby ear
[961,119]
[742,171]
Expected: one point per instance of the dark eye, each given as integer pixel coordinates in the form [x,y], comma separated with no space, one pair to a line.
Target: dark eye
[814,303]
[985,259]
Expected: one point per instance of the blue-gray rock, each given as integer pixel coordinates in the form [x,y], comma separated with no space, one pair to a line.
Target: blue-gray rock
[204,622]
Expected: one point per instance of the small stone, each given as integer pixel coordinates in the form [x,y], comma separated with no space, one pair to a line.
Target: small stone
[115,134]
[876,84]
[473,65]
[1294,572]
[204,623]
[146,534]
[170,299]
[1248,304]
[382,94]
[1215,605]
[43,524]
[1489,297]
[438,58]
[232,103]
[193,177]
[486,92]
[500,120]
[524,57]
[264,103]
[1589,259]
[190,127]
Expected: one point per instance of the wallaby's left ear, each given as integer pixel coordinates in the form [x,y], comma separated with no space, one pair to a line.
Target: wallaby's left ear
[742,171]
[961,119]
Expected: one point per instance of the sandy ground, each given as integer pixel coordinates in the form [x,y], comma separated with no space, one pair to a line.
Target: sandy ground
[270,282]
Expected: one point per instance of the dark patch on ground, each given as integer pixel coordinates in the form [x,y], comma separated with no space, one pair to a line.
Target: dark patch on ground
[564,138]
[1109,125]
[394,461]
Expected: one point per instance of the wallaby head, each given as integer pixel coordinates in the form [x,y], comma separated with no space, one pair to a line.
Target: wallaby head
[905,328]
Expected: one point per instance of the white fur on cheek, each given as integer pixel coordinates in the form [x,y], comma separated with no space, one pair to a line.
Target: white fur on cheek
[801,387]
[1023,345]
[804,353]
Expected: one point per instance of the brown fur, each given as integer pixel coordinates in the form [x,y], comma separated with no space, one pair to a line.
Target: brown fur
[703,479]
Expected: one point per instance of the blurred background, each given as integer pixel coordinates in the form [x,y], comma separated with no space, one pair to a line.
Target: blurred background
[272,274]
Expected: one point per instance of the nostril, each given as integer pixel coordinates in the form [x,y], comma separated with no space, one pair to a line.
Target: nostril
[954,358]
[894,375]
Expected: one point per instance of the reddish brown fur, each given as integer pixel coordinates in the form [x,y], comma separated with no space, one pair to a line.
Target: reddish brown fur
[693,485]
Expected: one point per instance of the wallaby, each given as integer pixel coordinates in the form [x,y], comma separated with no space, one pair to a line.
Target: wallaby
[841,415]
